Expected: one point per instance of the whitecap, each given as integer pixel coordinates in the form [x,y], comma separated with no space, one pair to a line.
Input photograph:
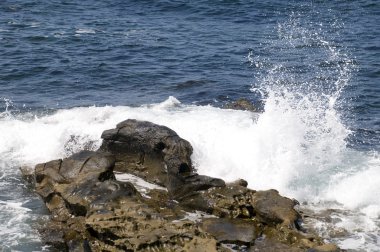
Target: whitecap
[85,31]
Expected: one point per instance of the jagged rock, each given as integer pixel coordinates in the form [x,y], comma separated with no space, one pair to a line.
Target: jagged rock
[135,226]
[84,178]
[291,237]
[271,207]
[90,209]
[93,211]
[27,173]
[229,201]
[157,154]
[74,186]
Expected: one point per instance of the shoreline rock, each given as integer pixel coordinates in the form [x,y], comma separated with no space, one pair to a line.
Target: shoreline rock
[91,210]
[241,104]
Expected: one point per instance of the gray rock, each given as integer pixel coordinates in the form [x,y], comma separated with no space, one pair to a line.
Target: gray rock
[27,174]
[157,154]
[272,208]
[239,182]
[237,231]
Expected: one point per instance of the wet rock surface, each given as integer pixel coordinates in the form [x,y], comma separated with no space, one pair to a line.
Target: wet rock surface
[241,104]
[178,210]
[239,231]
[156,154]
[271,207]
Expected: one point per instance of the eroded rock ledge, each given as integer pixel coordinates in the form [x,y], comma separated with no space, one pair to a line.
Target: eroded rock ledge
[92,210]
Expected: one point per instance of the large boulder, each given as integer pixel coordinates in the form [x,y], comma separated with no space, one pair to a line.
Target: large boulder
[92,211]
[272,208]
[157,154]
[164,206]
[84,178]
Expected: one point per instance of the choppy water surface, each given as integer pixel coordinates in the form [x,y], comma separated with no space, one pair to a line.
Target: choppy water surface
[71,69]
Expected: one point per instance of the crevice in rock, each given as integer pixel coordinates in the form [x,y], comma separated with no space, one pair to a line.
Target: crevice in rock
[184,168]
[160,146]
[107,175]
[141,158]
[39,178]
[106,236]
[84,163]
[60,165]
[50,196]
[76,209]
[118,131]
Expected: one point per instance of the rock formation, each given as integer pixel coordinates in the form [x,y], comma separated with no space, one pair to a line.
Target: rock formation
[241,104]
[94,209]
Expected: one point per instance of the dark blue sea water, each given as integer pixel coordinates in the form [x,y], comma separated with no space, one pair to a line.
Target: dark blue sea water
[315,63]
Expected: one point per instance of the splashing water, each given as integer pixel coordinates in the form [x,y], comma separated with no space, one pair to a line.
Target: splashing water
[303,83]
[8,104]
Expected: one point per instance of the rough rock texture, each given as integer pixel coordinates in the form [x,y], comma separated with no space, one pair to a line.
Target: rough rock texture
[157,154]
[240,231]
[241,104]
[92,210]
[271,207]
[269,245]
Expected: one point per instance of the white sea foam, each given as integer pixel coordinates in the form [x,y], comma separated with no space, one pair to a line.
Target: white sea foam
[196,216]
[141,185]
[85,31]
[14,227]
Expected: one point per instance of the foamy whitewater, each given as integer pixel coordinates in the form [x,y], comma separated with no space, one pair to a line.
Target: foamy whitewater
[297,145]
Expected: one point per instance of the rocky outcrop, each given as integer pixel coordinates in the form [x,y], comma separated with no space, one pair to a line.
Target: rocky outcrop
[157,154]
[94,208]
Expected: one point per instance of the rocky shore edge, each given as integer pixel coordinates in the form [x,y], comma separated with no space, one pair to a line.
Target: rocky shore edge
[140,192]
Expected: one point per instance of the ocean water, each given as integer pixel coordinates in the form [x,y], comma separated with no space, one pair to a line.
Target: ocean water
[71,69]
